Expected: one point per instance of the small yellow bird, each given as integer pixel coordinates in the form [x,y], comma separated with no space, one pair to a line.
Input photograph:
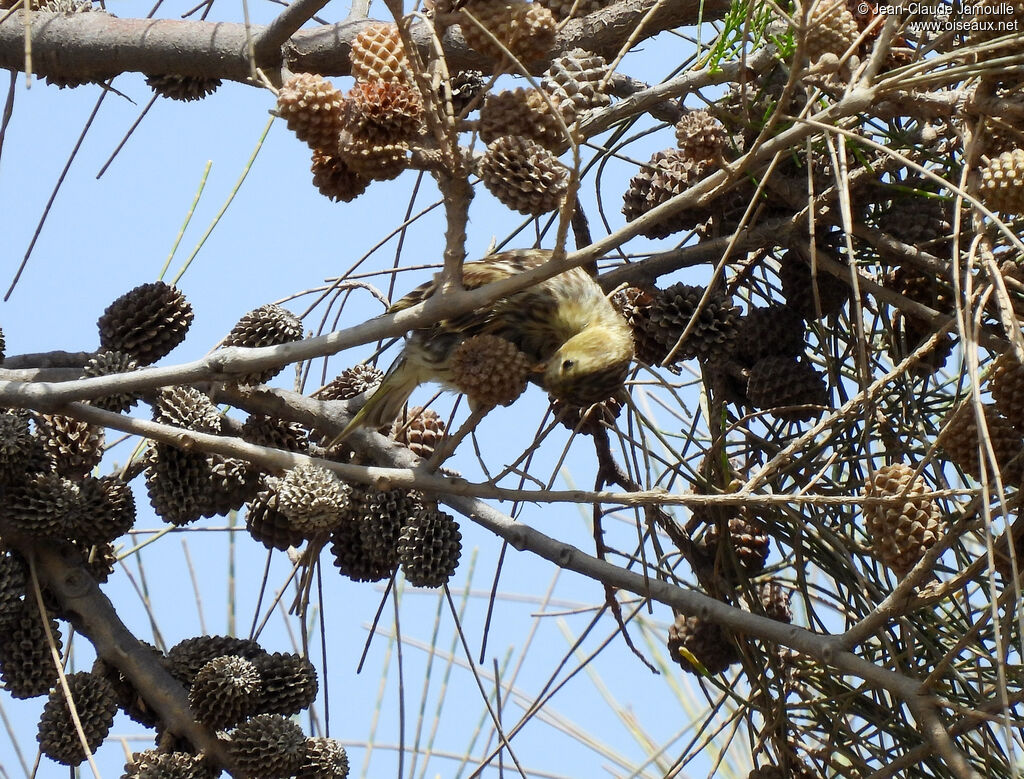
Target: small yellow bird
[566,325]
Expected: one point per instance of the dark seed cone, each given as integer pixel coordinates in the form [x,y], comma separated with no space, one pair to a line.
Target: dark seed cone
[351,383]
[706,641]
[75,447]
[924,222]
[383,111]
[490,370]
[430,547]
[767,772]
[1002,182]
[311,105]
[909,335]
[268,746]
[44,505]
[1001,547]
[350,556]
[147,322]
[268,325]
[378,53]
[831,29]
[1007,387]
[186,658]
[275,433]
[107,363]
[901,533]
[335,179]
[960,442]
[778,382]
[325,759]
[185,88]
[384,515]
[225,691]
[575,9]
[700,136]
[289,683]
[99,559]
[312,498]
[635,306]
[527,30]
[577,79]
[747,539]
[188,408]
[373,160]
[526,113]
[106,510]
[667,174]
[152,764]
[804,292]
[777,330]
[921,288]
[589,420]
[669,314]
[179,484]
[14,578]
[94,702]
[421,430]
[26,666]
[268,525]
[465,86]
[128,698]
[774,600]
[523,175]
[16,442]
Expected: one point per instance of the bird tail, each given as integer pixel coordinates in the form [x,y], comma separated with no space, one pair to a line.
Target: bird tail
[385,404]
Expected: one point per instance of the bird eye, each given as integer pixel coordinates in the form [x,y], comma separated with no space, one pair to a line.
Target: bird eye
[567,365]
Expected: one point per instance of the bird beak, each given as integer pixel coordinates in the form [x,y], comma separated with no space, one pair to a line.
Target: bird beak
[539,367]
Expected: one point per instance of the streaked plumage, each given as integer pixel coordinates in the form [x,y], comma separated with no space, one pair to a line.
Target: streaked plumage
[581,345]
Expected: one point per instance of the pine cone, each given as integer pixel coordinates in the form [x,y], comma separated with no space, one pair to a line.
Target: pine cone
[919,221]
[901,533]
[268,325]
[670,313]
[378,53]
[465,86]
[589,420]
[490,370]
[667,174]
[16,441]
[147,322]
[430,547]
[526,114]
[831,29]
[526,30]
[225,691]
[774,599]
[1002,183]
[706,641]
[94,702]
[577,79]
[1007,387]
[108,363]
[334,179]
[275,433]
[960,439]
[187,657]
[700,136]
[185,88]
[909,333]
[325,759]
[268,525]
[351,383]
[311,105]
[26,666]
[523,175]
[747,540]
[778,382]
[288,683]
[14,577]
[777,330]
[383,112]
[75,447]
[576,9]
[184,486]
[313,498]
[152,764]
[350,556]
[44,505]
[421,430]
[805,292]
[187,408]
[106,510]
[268,746]
[99,559]
[372,160]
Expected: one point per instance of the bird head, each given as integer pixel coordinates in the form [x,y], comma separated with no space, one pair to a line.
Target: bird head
[591,366]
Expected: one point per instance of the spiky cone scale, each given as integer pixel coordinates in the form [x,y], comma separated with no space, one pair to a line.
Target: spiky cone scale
[1007,387]
[700,136]
[668,173]
[523,175]
[1001,186]
[335,179]
[705,640]
[26,666]
[747,539]
[525,30]
[153,764]
[831,29]
[421,431]
[43,505]
[901,533]
[577,78]
[778,383]
[588,420]
[774,600]
[490,370]
[75,447]
[383,112]
[430,547]
[187,657]
[960,438]
[325,759]
[183,88]
[763,332]
[95,704]
[107,363]
[268,746]
[809,292]
[106,510]
[572,9]
[268,325]
[147,322]
[465,86]
[188,408]
[313,498]
[526,113]
[372,160]
[225,691]
[14,578]
[311,106]
[564,322]
[378,53]
[288,683]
